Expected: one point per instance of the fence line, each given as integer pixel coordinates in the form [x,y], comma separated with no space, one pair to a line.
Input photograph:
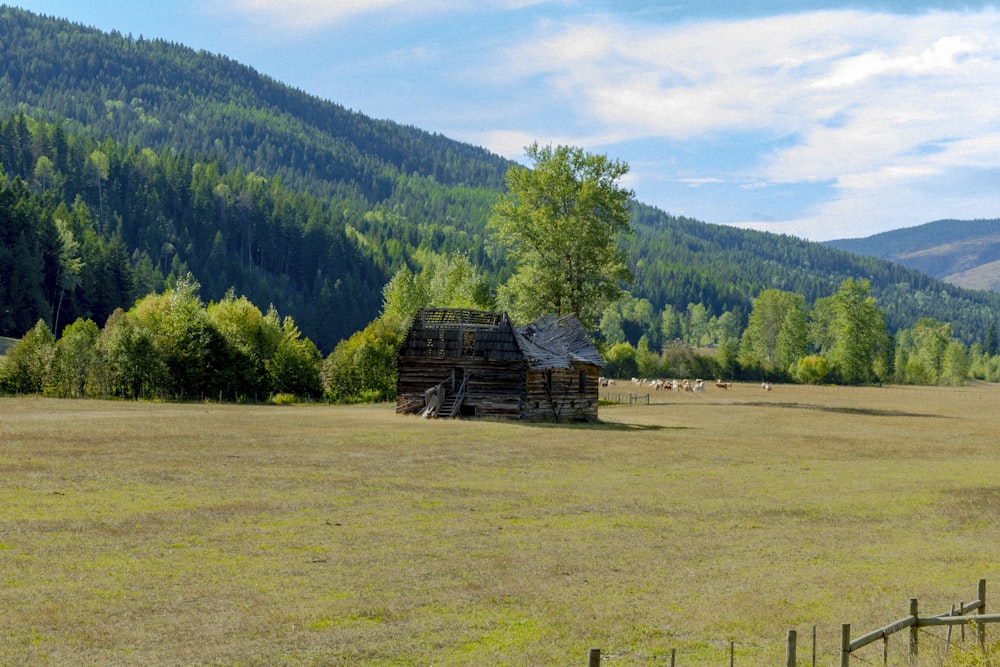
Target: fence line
[630,399]
[913,622]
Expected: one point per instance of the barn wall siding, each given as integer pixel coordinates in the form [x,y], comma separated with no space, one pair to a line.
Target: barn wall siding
[493,389]
[556,394]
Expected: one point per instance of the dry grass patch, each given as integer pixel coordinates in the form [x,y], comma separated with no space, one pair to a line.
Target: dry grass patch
[218,534]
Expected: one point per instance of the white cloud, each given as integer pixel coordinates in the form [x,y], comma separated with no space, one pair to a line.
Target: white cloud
[878,105]
[764,74]
[945,55]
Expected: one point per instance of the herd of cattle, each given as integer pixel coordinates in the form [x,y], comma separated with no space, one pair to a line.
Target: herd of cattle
[697,387]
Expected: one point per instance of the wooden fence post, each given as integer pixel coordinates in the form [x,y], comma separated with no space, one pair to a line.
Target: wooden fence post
[982,610]
[594,658]
[914,631]
[845,645]
[947,643]
[792,635]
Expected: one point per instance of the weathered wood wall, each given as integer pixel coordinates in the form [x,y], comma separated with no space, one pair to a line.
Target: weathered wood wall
[558,394]
[494,388]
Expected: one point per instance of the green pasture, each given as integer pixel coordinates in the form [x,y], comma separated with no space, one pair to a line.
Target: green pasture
[204,534]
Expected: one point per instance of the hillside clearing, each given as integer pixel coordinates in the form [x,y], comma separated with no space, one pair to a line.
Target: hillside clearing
[136,533]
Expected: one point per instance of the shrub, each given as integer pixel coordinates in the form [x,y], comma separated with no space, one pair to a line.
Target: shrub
[363,367]
[811,369]
[28,366]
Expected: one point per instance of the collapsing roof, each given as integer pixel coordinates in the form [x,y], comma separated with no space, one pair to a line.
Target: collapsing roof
[549,342]
[557,342]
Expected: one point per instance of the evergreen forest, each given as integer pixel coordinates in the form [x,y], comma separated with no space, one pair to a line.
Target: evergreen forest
[132,167]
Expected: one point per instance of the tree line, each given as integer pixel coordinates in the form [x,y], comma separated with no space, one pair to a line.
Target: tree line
[169,345]
[564,223]
[841,338]
[173,345]
[677,261]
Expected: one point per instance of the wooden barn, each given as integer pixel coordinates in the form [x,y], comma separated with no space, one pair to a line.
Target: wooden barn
[473,363]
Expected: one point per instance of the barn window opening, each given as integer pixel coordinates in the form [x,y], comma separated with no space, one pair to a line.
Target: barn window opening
[583,382]
[468,343]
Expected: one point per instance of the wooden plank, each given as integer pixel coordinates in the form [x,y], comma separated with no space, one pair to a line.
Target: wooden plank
[958,620]
[890,629]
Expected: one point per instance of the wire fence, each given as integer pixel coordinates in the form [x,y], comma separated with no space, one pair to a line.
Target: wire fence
[919,640]
[627,399]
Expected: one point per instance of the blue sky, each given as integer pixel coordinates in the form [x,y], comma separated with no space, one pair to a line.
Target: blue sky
[818,119]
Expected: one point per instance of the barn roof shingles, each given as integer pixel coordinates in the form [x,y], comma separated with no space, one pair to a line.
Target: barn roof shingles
[557,342]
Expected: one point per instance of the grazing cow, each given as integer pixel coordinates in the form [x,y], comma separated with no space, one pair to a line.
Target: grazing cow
[687,385]
[766,386]
[723,385]
[699,386]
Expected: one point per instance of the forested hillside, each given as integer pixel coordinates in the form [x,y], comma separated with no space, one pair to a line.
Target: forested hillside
[129,162]
[723,268]
[963,252]
[204,165]
[157,94]
[95,225]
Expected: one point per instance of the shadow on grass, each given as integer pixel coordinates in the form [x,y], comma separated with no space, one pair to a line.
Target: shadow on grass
[867,412]
[605,426]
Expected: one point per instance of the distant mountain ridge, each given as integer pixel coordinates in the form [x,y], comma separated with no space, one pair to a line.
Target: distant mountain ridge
[298,202]
[156,93]
[961,252]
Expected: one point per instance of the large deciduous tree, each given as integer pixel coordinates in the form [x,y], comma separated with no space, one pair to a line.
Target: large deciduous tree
[75,358]
[859,332]
[775,336]
[562,221]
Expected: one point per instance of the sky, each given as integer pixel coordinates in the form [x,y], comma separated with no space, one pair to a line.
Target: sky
[814,118]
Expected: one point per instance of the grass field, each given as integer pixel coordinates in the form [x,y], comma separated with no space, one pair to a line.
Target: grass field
[139,534]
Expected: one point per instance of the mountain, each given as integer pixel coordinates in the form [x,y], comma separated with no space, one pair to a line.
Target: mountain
[151,160]
[962,252]
[158,94]
[290,199]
